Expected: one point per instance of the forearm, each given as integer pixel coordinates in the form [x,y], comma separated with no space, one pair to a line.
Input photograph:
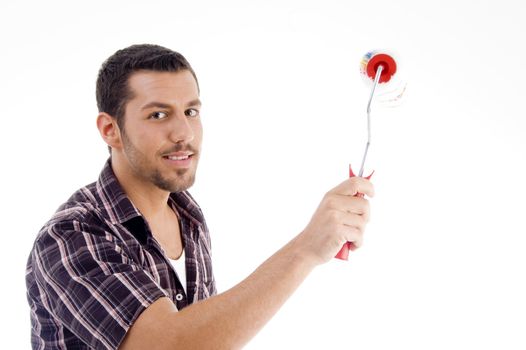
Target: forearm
[229,320]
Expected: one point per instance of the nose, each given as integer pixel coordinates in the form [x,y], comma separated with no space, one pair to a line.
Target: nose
[181,130]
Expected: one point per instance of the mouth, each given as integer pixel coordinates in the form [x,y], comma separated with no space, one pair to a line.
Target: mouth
[179,159]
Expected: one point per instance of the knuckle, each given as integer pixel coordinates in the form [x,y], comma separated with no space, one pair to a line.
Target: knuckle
[355,184]
[367,211]
[358,242]
[359,181]
[332,202]
[367,204]
[328,194]
[362,230]
[353,233]
[329,201]
[362,227]
[333,215]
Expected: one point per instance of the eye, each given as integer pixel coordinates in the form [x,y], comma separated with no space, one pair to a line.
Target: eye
[192,112]
[158,115]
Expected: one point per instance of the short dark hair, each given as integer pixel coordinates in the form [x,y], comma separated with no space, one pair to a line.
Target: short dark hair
[113,92]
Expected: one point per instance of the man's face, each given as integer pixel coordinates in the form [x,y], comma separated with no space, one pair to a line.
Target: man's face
[162,130]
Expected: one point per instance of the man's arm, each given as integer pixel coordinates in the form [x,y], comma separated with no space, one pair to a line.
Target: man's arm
[229,320]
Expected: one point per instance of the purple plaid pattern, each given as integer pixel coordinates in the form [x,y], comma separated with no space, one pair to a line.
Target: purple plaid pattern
[95,267]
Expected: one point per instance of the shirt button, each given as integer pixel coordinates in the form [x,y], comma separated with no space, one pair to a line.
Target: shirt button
[179,297]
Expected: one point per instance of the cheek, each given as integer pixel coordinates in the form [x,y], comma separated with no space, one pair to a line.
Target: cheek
[198,133]
[141,136]
[146,140]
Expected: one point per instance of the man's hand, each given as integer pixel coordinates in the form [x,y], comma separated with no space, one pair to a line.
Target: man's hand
[340,217]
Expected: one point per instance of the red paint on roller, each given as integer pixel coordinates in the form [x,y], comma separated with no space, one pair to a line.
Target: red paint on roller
[388,63]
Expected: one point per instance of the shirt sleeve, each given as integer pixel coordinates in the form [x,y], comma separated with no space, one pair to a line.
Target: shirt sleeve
[92,285]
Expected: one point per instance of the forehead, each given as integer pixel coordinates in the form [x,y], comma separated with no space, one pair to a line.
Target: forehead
[170,87]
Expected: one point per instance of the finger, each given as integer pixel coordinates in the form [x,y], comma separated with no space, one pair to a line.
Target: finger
[355,236]
[353,221]
[353,205]
[356,205]
[354,185]
[357,244]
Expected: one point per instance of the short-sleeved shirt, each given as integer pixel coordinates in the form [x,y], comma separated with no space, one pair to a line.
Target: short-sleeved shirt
[95,266]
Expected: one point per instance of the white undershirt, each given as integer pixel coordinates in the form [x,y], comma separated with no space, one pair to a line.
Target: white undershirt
[180,267]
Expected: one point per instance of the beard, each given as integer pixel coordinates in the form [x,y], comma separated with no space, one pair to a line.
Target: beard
[145,170]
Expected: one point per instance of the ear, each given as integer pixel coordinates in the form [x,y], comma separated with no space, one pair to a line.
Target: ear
[109,130]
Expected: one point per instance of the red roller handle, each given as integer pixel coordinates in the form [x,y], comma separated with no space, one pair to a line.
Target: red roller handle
[343,254]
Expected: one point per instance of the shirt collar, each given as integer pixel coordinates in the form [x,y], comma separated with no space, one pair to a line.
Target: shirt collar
[120,209]
[114,201]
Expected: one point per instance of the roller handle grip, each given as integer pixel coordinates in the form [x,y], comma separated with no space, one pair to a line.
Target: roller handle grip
[343,254]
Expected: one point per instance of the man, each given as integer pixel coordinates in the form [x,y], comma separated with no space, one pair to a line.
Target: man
[125,262]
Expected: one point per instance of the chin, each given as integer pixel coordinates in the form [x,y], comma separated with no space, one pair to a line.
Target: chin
[180,184]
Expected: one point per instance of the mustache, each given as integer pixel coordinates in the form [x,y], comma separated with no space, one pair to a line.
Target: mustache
[181,148]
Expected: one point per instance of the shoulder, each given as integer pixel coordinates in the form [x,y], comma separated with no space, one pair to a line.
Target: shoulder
[81,208]
[80,205]
[80,213]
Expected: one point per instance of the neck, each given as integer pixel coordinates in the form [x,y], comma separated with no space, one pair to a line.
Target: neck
[148,198]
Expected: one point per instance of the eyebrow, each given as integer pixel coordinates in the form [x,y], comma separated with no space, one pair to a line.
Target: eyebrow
[193,103]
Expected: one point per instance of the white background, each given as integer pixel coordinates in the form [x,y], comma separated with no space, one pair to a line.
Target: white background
[443,266]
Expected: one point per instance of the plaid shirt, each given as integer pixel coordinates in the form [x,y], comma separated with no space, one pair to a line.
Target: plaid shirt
[95,267]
